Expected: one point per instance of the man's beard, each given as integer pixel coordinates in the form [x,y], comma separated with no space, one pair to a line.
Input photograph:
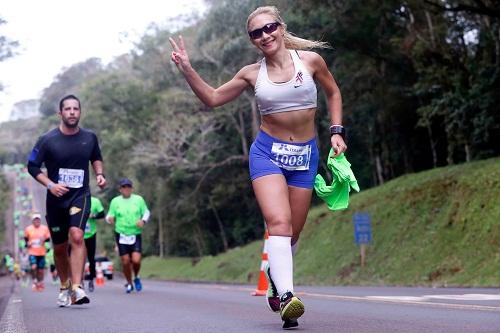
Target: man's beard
[70,125]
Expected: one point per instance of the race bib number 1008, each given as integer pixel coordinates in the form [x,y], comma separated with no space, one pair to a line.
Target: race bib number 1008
[72,178]
[291,157]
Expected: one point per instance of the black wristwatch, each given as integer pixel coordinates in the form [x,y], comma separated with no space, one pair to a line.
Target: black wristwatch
[337,129]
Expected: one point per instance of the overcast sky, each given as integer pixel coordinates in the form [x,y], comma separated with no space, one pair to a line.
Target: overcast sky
[54,34]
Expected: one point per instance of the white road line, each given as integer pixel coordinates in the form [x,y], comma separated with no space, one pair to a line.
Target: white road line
[467,297]
[409,300]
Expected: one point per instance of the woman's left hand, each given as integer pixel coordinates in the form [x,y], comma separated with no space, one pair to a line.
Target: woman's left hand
[338,144]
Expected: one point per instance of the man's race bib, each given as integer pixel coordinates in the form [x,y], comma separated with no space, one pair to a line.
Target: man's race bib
[72,178]
[127,240]
[291,157]
[35,243]
[87,227]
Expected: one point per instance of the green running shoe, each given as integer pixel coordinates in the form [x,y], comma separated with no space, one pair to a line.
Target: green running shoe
[291,307]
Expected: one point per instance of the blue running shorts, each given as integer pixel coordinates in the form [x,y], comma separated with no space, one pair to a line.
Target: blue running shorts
[39,261]
[296,161]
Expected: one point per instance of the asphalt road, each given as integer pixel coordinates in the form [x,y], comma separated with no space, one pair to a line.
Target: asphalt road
[184,307]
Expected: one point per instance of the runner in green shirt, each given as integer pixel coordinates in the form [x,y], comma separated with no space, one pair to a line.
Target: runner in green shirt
[129,212]
[51,263]
[96,212]
[9,262]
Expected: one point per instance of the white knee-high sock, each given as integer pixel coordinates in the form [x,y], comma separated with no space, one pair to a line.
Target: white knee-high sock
[295,247]
[281,262]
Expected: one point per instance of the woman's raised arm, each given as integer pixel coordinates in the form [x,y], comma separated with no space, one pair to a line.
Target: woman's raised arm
[210,96]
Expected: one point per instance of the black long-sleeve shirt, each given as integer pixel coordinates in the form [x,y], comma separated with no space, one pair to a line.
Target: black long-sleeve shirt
[66,157]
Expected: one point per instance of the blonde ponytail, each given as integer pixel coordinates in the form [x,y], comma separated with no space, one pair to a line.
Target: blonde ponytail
[291,42]
[296,43]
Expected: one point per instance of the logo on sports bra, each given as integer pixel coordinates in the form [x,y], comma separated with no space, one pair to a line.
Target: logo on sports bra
[299,79]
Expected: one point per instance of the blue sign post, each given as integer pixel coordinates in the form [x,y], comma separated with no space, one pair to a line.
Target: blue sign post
[362,233]
[362,228]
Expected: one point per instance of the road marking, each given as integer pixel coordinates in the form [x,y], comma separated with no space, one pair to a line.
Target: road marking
[467,297]
[410,300]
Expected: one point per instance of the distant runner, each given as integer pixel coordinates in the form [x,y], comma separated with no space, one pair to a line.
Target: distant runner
[9,263]
[36,235]
[24,260]
[52,265]
[96,212]
[129,213]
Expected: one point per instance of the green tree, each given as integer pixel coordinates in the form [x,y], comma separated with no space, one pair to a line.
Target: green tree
[69,81]
[7,47]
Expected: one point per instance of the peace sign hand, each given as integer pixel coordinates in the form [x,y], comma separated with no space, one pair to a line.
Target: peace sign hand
[179,55]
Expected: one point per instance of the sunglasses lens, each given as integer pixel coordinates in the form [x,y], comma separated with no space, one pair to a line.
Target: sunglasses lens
[268,28]
[255,34]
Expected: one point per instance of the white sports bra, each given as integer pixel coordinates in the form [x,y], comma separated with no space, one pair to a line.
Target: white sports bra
[297,94]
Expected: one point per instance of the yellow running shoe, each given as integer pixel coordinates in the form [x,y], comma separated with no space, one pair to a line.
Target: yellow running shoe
[291,307]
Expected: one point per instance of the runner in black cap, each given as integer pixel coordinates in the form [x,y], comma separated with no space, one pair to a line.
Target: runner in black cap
[129,213]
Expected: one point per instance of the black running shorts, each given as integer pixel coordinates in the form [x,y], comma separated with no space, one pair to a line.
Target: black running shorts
[61,215]
[124,249]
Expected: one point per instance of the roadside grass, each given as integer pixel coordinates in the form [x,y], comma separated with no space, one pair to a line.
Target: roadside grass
[238,265]
[434,228]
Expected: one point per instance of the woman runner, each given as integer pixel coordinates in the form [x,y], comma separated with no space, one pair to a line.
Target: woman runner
[284,156]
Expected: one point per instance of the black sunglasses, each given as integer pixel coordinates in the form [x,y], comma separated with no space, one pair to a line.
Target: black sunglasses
[268,28]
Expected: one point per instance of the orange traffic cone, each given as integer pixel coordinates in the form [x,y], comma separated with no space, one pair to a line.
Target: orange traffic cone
[262,284]
[99,280]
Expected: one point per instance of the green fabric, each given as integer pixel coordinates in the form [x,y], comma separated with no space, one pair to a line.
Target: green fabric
[9,261]
[22,243]
[336,195]
[126,213]
[95,208]
[49,257]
